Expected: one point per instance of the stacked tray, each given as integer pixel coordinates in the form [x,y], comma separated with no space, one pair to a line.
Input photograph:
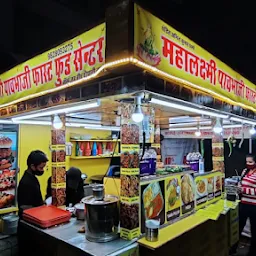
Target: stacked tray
[46,216]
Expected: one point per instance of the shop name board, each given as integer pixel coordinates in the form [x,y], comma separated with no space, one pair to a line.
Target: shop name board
[71,61]
[163,47]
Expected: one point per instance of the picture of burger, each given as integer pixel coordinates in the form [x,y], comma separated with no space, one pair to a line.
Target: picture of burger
[6,157]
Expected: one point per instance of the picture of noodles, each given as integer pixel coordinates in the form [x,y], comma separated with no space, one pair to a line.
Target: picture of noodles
[217,152]
[58,137]
[58,156]
[218,166]
[58,175]
[130,134]
[201,186]
[129,216]
[210,185]
[130,160]
[135,160]
[129,186]
[125,160]
[59,196]
[187,189]
[153,200]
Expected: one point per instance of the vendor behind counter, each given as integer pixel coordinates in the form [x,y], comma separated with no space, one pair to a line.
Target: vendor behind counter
[74,186]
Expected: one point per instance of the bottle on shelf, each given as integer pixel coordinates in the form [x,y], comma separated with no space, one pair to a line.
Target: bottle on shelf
[94,149]
[87,149]
[77,149]
[99,148]
[82,148]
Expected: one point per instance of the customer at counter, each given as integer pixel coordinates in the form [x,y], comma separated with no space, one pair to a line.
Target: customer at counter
[248,202]
[74,186]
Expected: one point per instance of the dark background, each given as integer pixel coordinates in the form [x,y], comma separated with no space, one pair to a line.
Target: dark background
[223,27]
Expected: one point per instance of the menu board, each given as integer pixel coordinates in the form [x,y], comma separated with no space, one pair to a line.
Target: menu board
[169,198]
[173,198]
[208,189]
[152,203]
[187,193]
[130,174]
[58,148]
[8,167]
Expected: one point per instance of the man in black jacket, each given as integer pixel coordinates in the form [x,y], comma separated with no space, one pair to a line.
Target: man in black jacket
[29,193]
[74,188]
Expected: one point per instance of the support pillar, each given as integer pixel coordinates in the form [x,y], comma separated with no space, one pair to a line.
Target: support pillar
[58,148]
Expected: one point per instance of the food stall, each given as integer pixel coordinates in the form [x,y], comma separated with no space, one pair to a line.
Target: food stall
[77,93]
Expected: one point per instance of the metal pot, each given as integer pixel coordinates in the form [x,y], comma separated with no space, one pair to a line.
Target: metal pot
[80,211]
[102,218]
[10,224]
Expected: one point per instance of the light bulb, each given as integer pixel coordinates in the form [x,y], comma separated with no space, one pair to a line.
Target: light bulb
[218,127]
[252,130]
[137,117]
[198,133]
[57,123]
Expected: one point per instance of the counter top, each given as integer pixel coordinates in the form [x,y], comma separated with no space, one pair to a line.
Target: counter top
[170,232]
[68,233]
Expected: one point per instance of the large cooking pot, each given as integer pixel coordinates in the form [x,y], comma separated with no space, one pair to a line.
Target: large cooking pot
[101,218]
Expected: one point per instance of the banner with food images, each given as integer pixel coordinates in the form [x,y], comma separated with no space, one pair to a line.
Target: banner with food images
[152,202]
[173,198]
[8,169]
[130,174]
[58,149]
[208,188]
[187,193]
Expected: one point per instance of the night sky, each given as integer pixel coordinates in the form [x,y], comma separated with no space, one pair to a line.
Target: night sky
[225,28]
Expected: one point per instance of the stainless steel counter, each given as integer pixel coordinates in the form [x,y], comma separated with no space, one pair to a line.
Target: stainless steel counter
[68,233]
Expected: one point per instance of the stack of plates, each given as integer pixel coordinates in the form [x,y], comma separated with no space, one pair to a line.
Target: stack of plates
[46,216]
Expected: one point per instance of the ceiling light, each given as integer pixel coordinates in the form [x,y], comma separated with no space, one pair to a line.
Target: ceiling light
[218,127]
[137,115]
[190,124]
[32,122]
[104,128]
[186,108]
[54,111]
[190,128]
[198,133]
[57,123]
[241,120]
[6,121]
[252,130]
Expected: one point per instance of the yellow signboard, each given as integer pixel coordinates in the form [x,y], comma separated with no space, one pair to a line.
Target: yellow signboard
[68,62]
[159,45]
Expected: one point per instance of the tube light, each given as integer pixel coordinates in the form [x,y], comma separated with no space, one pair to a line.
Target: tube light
[104,128]
[186,108]
[204,128]
[241,120]
[59,111]
[32,122]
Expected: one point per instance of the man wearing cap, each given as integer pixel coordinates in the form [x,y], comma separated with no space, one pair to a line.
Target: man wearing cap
[74,186]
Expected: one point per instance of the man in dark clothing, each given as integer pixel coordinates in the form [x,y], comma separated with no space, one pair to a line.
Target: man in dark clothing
[74,186]
[29,193]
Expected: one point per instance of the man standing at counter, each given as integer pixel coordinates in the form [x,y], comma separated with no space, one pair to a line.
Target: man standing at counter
[29,195]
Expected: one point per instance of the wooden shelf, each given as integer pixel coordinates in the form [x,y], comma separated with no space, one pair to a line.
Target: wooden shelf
[93,157]
[95,140]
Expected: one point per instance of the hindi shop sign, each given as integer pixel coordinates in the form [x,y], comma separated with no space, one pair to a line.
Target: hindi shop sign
[159,45]
[68,62]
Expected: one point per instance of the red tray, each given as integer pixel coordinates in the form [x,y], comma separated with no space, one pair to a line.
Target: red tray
[46,216]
